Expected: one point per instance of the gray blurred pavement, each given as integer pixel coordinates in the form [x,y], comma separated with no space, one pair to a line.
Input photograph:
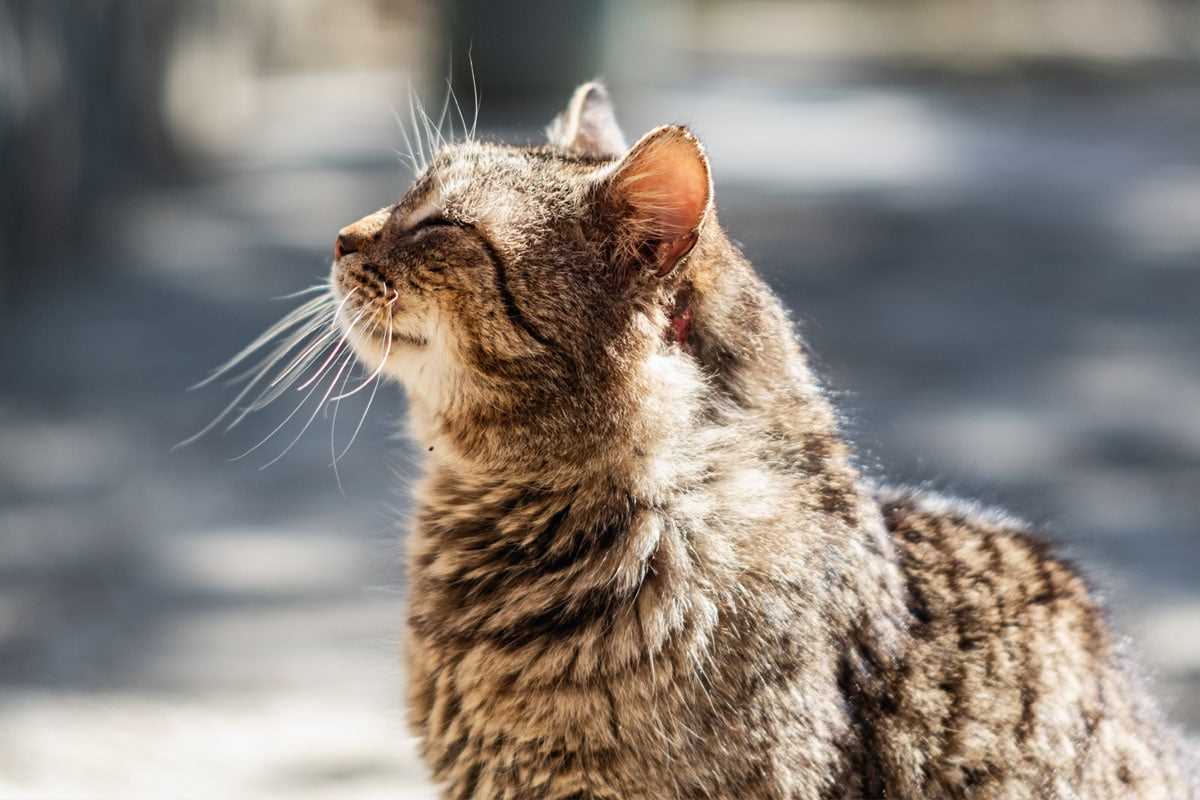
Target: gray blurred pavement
[999,280]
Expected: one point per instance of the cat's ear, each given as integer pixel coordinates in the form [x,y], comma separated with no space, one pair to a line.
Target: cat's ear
[588,124]
[658,198]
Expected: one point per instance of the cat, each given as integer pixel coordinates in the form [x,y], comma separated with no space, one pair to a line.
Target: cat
[643,563]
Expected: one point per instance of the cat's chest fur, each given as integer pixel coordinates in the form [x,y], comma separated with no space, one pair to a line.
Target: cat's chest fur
[590,642]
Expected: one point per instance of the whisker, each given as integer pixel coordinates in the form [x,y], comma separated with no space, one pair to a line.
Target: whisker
[337,405]
[272,393]
[289,320]
[304,357]
[376,380]
[280,426]
[294,411]
[345,363]
[446,106]
[295,339]
[320,287]
[256,375]
[387,352]
[361,419]
[325,366]
[407,159]
[461,117]
[428,123]
[333,331]
[474,91]
[417,167]
[221,416]
[412,113]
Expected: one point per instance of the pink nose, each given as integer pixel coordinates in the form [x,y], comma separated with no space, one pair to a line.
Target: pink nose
[344,245]
[357,235]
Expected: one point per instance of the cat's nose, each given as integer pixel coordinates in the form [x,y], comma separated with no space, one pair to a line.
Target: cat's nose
[353,237]
[346,243]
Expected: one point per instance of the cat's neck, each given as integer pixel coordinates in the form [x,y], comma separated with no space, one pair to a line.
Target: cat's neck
[571,581]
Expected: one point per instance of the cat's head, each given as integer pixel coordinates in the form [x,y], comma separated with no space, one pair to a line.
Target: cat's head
[533,297]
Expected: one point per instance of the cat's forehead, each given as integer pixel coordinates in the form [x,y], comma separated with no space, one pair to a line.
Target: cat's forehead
[482,182]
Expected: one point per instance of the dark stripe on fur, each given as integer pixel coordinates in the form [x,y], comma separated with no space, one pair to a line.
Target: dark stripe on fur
[500,270]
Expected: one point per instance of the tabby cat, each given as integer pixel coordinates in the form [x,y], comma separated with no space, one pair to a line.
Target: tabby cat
[643,563]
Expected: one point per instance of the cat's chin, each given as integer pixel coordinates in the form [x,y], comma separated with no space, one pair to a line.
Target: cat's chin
[379,351]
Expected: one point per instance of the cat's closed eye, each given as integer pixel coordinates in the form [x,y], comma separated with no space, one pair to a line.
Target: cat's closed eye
[431,223]
[438,222]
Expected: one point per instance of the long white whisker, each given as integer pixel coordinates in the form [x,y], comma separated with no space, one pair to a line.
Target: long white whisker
[461,117]
[224,413]
[362,418]
[268,396]
[336,313]
[377,381]
[278,427]
[329,360]
[305,355]
[295,317]
[260,371]
[311,353]
[474,92]
[412,158]
[345,363]
[337,405]
[233,404]
[446,107]
[320,319]
[434,142]
[293,340]
[320,287]
[383,362]
[407,159]
[273,393]
[412,113]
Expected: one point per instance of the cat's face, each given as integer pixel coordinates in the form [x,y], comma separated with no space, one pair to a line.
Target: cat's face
[483,265]
[509,275]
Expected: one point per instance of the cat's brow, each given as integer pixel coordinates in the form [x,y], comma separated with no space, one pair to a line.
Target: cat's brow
[430,206]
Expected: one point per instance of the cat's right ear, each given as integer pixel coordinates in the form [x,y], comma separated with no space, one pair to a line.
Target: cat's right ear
[588,124]
[656,199]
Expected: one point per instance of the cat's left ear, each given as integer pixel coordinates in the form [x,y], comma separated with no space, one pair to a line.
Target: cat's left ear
[658,198]
[588,124]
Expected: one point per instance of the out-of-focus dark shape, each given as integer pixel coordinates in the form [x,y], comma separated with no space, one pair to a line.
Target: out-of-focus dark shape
[531,52]
[81,114]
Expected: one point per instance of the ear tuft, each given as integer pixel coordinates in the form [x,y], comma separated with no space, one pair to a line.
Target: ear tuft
[662,193]
[588,124]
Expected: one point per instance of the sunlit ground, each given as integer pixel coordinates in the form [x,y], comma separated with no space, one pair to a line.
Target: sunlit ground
[1000,282]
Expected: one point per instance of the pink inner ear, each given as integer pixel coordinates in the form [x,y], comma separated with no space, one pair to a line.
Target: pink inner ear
[683,176]
[666,183]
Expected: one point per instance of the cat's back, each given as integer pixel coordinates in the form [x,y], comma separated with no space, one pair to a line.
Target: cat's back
[1010,685]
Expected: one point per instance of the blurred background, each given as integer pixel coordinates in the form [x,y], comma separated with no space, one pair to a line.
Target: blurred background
[985,213]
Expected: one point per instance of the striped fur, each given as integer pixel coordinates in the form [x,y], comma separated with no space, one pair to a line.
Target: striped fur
[643,564]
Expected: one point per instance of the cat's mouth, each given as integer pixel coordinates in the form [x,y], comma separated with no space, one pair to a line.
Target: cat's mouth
[385,336]
[370,320]
[397,338]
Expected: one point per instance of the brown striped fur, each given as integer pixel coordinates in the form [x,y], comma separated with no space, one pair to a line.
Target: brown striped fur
[643,564]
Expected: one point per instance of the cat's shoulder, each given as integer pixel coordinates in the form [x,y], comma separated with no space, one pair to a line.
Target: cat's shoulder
[958,545]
